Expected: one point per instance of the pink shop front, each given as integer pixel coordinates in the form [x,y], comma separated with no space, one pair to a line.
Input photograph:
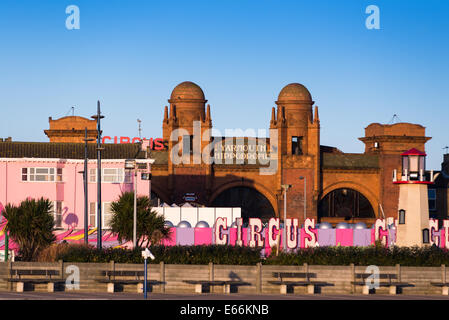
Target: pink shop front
[38,170]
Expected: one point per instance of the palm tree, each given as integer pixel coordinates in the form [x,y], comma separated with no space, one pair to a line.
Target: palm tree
[30,225]
[150,225]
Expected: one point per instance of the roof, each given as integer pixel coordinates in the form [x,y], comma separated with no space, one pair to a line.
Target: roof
[413,152]
[294,92]
[187,90]
[160,157]
[349,161]
[69,150]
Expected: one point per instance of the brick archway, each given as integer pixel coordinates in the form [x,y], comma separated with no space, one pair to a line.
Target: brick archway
[248,184]
[356,187]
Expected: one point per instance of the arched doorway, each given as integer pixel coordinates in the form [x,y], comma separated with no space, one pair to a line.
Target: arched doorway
[252,203]
[345,203]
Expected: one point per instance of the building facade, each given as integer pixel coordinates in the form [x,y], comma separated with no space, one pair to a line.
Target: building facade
[326,184]
[251,173]
[55,171]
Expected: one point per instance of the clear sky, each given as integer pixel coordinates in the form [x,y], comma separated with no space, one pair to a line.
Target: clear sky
[131,54]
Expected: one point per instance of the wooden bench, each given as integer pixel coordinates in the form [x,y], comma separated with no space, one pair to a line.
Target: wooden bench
[302,279]
[202,286]
[119,278]
[26,278]
[443,284]
[390,280]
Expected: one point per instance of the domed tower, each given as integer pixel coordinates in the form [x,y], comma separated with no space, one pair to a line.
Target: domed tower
[187,104]
[187,115]
[298,144]
[294,115]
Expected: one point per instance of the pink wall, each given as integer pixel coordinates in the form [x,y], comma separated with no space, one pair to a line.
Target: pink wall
[71,190]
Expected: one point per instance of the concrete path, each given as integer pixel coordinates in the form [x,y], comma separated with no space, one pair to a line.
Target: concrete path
[5,295]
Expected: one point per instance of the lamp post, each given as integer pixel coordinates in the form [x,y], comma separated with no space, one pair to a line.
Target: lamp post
[85,177]
[149,186]
[285,187]
[305,196]
[130,164]
[98,117]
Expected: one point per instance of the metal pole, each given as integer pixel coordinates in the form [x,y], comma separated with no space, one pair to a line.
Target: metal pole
[285,219]
[145,281]
[149,186]
[85,175]
[305,199]
[99,231]
[6,244]
[135,210]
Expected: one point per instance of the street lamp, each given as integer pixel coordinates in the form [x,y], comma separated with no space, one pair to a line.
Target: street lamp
[98,117]
[130,164]
[85,176]
[146,254]
[305,196]
[285,187]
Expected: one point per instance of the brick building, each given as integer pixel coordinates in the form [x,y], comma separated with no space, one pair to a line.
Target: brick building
[326,184]
[336,186]
[71,129]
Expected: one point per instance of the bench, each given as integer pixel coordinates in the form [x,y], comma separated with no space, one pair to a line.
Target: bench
[287,286]
[202,286]
[443,284]
[116,279]
[26,278]
[390,280]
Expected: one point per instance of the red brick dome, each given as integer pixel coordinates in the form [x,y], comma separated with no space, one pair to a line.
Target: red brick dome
[187,91]
[294,92]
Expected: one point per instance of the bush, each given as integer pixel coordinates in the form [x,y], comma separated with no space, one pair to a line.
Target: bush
[218,254]
[30,225]
[364,256]
[51,253]
[235,255]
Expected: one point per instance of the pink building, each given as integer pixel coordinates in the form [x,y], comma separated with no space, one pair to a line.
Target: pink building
[54,171]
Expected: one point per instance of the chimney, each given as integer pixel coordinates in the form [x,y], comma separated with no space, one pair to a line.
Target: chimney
[445,164]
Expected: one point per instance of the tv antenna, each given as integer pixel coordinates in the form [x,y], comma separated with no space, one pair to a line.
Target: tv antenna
[140,128]
[395,119]
[71,109]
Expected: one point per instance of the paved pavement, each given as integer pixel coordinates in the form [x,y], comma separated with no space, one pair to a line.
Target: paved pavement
[158,296]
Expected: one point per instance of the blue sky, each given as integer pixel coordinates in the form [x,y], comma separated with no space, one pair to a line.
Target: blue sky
[131,54]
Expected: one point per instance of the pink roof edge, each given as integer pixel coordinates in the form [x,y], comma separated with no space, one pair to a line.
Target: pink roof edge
[414,152]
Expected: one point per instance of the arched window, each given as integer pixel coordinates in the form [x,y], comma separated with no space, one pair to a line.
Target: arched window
[252,203]
[345,203]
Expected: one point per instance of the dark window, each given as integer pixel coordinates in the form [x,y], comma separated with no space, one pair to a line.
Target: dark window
[432,195]
[296,145]
[345,203]
[24,174]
